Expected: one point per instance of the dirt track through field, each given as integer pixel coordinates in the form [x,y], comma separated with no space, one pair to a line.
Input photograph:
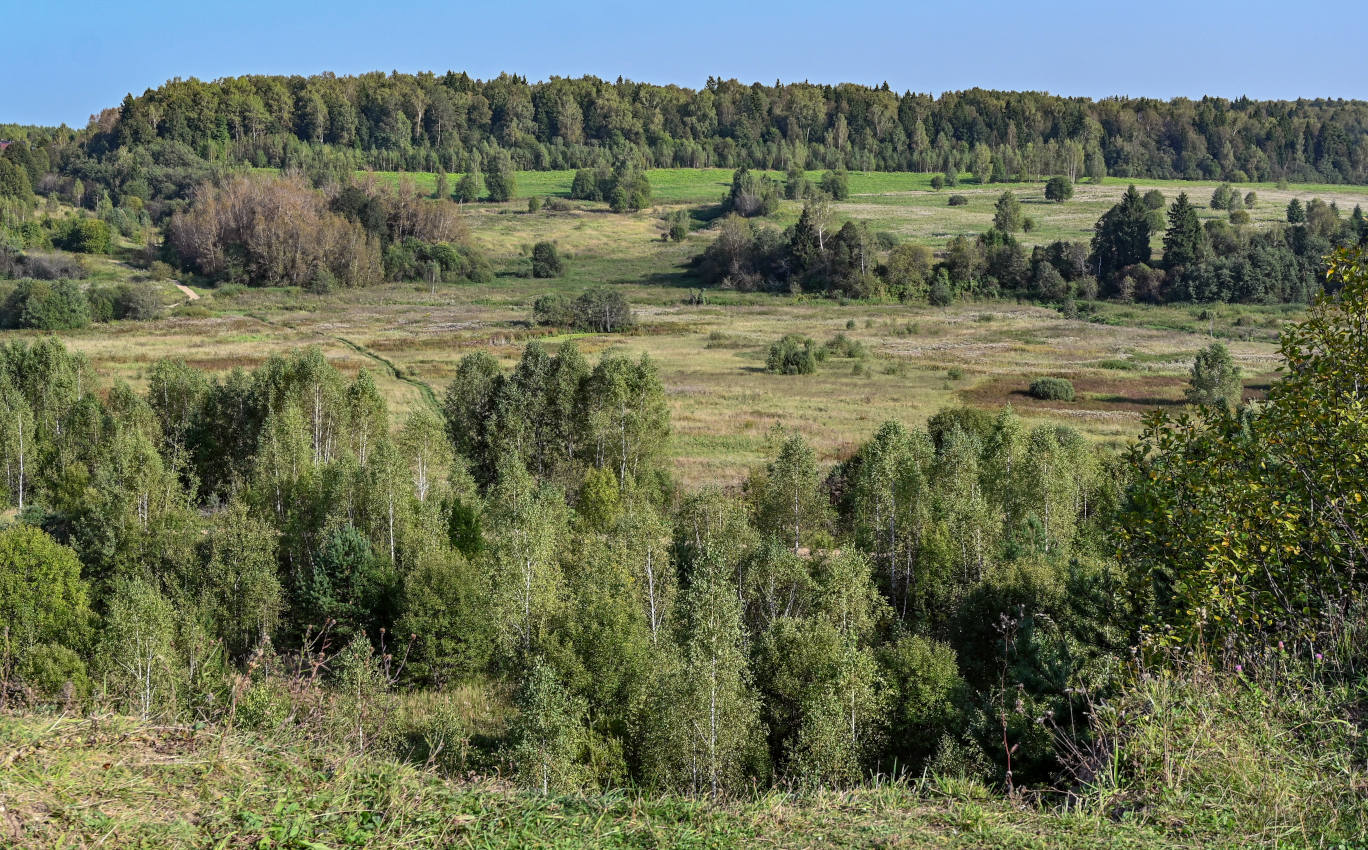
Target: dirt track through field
[424,389]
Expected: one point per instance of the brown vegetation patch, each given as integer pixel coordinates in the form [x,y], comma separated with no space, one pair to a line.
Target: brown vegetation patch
[1095,392]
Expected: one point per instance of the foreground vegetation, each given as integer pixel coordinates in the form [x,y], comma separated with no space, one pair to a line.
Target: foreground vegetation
[501,492]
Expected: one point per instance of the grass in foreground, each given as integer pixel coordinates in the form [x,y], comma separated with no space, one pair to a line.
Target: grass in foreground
[115,783]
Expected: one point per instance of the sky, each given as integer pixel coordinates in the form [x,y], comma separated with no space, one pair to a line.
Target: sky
[72,59]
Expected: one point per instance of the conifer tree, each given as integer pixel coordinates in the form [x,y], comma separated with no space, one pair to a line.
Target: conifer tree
[1184,241]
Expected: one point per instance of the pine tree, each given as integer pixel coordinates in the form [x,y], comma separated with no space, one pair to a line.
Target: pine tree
[1184,241]
[1295,213]
[1122,236]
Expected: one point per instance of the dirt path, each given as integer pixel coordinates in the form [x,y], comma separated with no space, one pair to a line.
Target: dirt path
[188,292]
[424,389]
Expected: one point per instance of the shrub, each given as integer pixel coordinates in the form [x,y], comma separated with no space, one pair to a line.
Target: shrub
[545,261]
[51,267]
[792,355]
[937,182]
[843,346]
[46,306]
[1214,379]
[957,201]
[273,232]
[1058,189]
[926,696]
[43,599]
[553,309]
[53,671]
[84,236]
[534,204]
[679,226]
[1052,389]
[836,184]
[603,309]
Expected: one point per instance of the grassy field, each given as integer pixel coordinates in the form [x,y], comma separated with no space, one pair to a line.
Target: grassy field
[1123,359]
[112,782]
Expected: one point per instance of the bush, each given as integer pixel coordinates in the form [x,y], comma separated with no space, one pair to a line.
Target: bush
[553,309]
[600,309]
[1058,189]
[84,236]
[46,306]
[843,346]
[54,671]
[534,204]
[604,310]
[957,201]
[836,184]
[679,226]
[926,696]
[43,599]
[792,355]
[545,261]
[240,232]
[1052,389]
[937,182]
[51,267]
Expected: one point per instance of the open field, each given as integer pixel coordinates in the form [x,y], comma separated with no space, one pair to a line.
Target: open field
[904,203]
[712,357]
[1123,359]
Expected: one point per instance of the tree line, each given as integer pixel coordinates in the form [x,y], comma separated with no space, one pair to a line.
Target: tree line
[426,121]
[1216,260]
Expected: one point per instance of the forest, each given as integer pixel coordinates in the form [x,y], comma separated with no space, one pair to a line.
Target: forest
[426,121]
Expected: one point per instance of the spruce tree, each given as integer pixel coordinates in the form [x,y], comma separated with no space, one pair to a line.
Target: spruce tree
[1122,235]
[1184,241]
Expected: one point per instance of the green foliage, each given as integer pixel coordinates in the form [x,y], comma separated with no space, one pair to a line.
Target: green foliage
[1059,189]
[926,697]
[14,182]
[1215,379]
[549,735]
[445,611]
[957,201]
[83,236]
[500,180]
[1228,526]
[751,195]
[794,354]
[1052,389]
[1184,241]
[47,306]
[1007,213]
[1123,235]
[545,261]
[836,184]
[469,187]
[43,599]
[601,309]
[1295,213]
[348,588]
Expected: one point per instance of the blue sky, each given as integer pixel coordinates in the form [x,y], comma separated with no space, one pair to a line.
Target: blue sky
[65,60]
